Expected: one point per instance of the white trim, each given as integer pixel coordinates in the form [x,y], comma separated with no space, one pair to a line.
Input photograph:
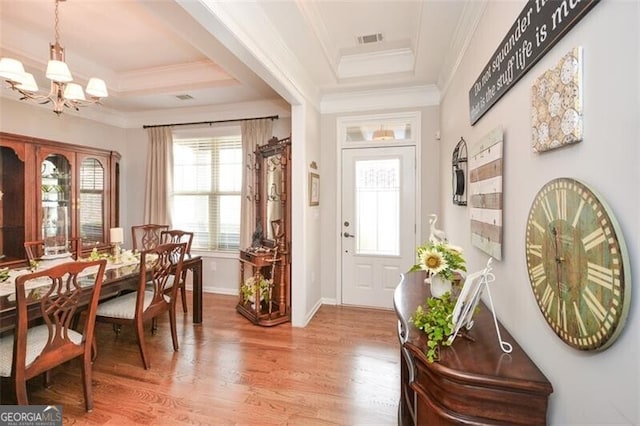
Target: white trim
[376,63]
[415,117]
[384,99]
[464,32]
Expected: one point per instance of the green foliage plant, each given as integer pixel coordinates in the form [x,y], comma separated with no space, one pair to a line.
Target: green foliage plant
[251,285]
[439,258]
[435,319]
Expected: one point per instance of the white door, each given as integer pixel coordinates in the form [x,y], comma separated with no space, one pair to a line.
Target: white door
[378,222]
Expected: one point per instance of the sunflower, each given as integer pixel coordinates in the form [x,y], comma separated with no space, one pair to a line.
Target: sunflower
[433,261]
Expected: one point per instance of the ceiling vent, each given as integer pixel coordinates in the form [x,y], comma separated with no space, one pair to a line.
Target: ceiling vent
[184,97]
[370,38]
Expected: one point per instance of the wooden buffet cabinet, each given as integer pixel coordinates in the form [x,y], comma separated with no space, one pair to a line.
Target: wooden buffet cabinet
[474,382]
[50,189]
[269,257]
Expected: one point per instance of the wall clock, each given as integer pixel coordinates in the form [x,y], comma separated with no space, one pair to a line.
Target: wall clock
[578,264]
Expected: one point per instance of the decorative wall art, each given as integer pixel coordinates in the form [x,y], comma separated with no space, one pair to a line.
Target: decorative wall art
[556,110]
[485,193]
[314,189]
[459,173]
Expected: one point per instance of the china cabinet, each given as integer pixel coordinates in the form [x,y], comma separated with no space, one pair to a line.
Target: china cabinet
[265,267]
[54,192]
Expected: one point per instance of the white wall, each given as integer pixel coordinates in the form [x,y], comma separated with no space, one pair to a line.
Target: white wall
[589,387]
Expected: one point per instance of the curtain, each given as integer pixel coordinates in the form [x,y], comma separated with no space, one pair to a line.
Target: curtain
[254,133]
[159,180]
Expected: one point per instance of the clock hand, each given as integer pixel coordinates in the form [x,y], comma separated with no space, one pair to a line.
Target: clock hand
[558,259]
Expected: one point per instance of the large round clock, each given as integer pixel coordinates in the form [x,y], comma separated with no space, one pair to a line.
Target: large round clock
[578,264]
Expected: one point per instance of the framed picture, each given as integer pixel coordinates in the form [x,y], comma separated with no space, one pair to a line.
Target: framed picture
[314,189]
[556,104]
[467,302]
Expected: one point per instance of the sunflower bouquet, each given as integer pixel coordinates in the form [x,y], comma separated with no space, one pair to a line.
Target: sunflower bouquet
[439,258]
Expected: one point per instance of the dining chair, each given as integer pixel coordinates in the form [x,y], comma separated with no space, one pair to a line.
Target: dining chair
[35,249]
[179,236]
[155,295]
[144,237]
[35,349]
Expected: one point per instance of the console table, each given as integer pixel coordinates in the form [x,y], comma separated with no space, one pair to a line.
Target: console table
[474,382]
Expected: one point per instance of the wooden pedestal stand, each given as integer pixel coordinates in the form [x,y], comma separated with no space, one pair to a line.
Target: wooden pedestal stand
[274,309]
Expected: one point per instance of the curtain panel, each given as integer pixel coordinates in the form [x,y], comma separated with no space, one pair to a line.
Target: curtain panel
[159,178]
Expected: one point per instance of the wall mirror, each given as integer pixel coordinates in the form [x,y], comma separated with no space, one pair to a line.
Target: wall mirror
[272,180]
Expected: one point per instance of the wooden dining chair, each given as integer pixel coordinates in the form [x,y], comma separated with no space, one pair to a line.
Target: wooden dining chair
[35,249]
[179,236]
[144,237]
[155,295]
[34,350]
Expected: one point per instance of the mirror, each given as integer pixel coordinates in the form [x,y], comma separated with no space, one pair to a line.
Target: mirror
[272,180]
[55,172]
[274,185]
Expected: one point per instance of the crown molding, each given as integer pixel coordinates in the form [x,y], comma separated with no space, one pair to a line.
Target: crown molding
[376,63]
[369,100]
[464,32]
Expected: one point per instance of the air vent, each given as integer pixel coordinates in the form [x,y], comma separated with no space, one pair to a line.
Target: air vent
[184,97]
[370,38]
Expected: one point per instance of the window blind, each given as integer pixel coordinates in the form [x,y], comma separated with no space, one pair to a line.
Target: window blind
[206,190]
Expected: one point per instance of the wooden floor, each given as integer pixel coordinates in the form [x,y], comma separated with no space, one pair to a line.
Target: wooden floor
[342,369]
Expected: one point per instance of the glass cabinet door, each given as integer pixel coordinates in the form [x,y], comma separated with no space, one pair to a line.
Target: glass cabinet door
[91,222]
[12,217]
[56,197]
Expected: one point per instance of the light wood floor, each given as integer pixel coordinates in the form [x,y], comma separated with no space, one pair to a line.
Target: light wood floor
[342,369]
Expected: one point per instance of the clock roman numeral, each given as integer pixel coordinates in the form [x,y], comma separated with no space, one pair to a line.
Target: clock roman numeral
[547,298]
[593,239]
[600,275]
[537,273]
[594,305]
[538,227]
[535,250]
[578,212]
[561,202]
[562,315]
[547,209]
[576,310]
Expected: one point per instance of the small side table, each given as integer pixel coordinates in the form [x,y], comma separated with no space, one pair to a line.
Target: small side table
[269,264]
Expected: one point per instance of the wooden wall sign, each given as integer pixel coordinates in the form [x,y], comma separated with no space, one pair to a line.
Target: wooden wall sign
[540,25]
[485,193]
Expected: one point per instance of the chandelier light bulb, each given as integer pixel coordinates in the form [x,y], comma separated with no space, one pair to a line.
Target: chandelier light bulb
[97,88]
[11,69]
[28,84]
[58,71]
[74,92]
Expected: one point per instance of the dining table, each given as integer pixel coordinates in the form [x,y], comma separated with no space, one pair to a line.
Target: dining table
[119,277]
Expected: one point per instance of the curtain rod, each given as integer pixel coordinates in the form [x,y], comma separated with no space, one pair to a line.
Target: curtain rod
[148,126]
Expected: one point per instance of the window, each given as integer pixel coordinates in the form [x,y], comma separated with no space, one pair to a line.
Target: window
[206,190]
[92,202]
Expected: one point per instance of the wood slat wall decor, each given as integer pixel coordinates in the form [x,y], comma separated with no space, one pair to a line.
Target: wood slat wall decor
[343,368]
[485,193]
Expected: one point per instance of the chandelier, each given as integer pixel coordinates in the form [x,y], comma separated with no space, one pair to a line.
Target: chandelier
[63,92]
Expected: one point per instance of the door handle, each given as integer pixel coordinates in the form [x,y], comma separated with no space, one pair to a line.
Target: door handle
[348,235]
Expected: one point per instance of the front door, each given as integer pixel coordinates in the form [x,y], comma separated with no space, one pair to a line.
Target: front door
[378,222]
